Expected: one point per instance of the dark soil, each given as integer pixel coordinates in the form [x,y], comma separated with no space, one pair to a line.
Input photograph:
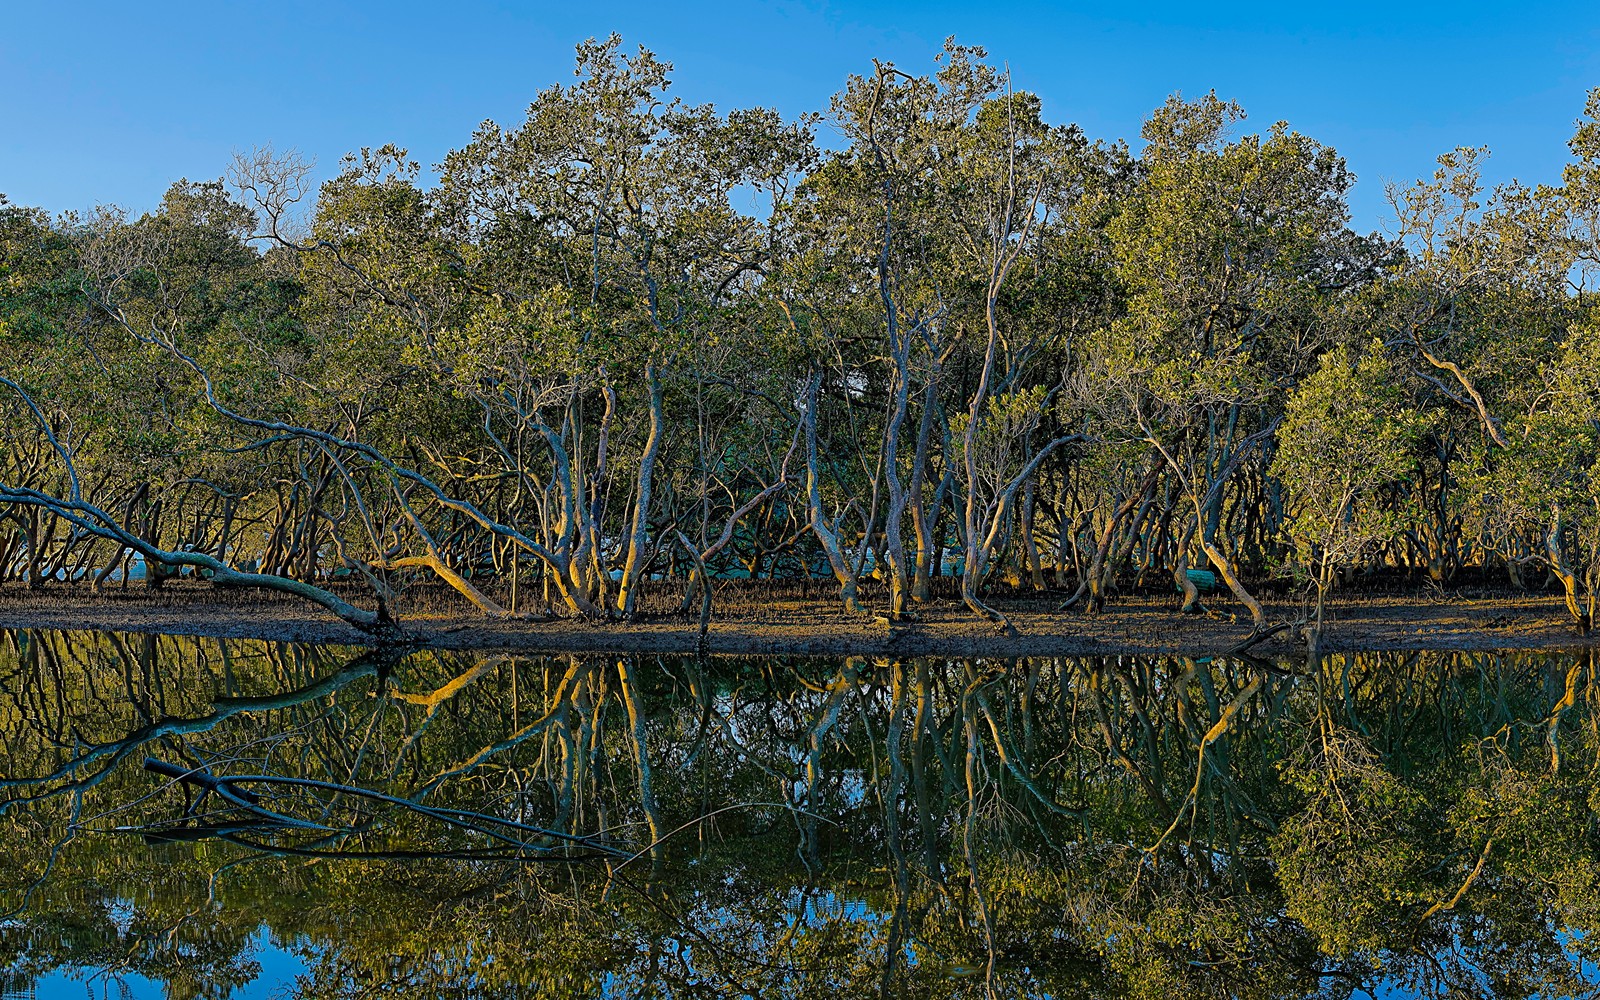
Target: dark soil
[763,619]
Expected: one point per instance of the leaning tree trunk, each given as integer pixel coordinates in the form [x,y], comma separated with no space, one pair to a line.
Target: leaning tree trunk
[1563,571]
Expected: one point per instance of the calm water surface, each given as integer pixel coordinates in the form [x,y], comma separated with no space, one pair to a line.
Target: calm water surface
[471,825]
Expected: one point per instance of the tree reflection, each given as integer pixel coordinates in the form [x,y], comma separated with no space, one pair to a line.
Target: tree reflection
[1104,827]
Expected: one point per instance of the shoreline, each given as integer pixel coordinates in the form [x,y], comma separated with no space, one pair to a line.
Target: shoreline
[1136,624]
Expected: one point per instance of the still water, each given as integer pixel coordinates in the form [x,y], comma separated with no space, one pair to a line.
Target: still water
[360,824]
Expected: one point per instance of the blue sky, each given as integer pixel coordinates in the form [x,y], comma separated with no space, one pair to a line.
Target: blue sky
[110,102]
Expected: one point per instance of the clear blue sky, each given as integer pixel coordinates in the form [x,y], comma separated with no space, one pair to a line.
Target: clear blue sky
[110,102]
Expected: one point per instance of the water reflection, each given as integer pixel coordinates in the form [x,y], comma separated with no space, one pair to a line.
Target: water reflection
[468,825]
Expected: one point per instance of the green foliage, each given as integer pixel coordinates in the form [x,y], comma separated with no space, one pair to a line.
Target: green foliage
[1352,862]
[1347,435]
[623,285]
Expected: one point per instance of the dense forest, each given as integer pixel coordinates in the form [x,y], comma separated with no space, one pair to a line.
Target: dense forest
[926,342]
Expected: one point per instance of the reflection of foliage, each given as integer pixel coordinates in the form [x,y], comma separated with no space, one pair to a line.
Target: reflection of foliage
[1351,861]
[960,831]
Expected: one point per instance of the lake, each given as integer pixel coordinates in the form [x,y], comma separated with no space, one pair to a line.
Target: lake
[204,818]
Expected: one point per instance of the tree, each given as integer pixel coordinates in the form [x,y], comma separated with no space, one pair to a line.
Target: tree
[1347,435]
[1233,254]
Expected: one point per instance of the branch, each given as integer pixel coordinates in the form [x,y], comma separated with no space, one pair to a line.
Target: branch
[1489,422]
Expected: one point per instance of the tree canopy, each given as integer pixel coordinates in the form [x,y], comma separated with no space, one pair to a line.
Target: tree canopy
[630,338]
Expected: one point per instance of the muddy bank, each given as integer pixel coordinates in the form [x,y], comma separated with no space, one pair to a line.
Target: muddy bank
[1137,624]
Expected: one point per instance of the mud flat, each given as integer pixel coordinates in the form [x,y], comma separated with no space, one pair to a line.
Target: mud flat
[751,623]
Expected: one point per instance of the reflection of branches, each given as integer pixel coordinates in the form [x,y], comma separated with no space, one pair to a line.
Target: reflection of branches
[1114,747]
[936,851]
[113,753]
[467,854]
[568,685]
[1010,759]
[73,826]
[1569,697]
[1212,735]
[437,697]
[654,845]
[477,822]
[1472,877]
